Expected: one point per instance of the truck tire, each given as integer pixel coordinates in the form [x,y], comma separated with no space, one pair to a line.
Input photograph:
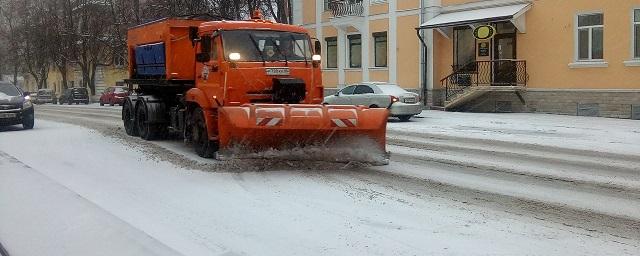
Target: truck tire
[200,138]
[146,130]
[128,118]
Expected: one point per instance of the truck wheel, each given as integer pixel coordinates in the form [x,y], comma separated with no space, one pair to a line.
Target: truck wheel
[145,130]
[128,118]
[200,137]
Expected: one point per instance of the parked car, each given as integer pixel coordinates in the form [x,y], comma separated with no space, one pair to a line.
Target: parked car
[15,107]
[401,103]
[75,95]
[44,96]
[114,95]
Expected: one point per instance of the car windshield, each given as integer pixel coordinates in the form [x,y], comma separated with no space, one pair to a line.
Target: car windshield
[120,90]
[391,89]
[272,46]
[8,90]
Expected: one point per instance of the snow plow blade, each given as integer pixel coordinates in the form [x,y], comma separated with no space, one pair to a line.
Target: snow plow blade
[262,127]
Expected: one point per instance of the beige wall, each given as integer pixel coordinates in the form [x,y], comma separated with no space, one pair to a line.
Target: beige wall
[308,11]
[408,4]
[329,78]
[408,52]
[379,8]
[548,46]
[352,76]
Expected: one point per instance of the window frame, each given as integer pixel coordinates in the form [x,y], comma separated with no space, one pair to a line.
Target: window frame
[350,51]
[635,36]
[456,54]
[375,37]
[590,28]
[332,39]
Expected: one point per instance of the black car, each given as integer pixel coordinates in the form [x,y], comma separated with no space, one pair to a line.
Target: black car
[15,106]
[75,95]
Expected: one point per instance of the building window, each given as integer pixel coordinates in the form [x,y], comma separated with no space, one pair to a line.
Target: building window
[332,52]
[464,49]
[355,51]
[636,33]
[590,36]
[380,48]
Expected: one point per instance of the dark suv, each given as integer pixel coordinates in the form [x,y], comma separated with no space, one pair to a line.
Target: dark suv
[15,106]
[75,95]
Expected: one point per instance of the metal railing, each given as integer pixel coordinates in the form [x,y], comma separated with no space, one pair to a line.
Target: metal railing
[485,73]
[343,8]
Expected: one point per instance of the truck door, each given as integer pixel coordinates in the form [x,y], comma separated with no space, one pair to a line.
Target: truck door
[208,73]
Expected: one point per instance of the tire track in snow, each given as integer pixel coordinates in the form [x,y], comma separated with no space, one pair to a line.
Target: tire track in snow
[397,180]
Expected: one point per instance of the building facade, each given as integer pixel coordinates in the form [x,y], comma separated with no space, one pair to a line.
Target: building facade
[106,76]
[577,57]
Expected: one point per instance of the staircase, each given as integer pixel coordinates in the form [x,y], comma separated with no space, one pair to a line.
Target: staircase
[481,77]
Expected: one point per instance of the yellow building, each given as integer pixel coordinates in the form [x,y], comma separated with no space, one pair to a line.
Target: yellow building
[579,57]
[106,76]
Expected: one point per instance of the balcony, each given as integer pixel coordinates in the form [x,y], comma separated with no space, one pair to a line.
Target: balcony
[477,78]
[345,8]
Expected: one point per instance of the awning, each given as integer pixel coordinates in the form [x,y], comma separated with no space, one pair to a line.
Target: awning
[468,17]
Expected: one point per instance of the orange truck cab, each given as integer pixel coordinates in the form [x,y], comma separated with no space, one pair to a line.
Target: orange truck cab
[251,84]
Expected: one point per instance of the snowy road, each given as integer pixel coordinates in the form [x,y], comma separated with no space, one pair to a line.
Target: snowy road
[441,194]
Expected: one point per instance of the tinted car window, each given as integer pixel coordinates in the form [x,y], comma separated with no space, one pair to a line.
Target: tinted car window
[9,90]
[349,90]
[363,89]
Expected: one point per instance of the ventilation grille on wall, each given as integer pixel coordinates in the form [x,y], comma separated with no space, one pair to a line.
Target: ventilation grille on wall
[588,109]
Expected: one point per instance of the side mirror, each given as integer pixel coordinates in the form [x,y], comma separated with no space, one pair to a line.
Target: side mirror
[317,47]
[203,57]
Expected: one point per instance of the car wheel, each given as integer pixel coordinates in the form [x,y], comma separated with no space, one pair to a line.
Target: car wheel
[28,122]
[111,103]
[101,103]
[405,118]
[200,137]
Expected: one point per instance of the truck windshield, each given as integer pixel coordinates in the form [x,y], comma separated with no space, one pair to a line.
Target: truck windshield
[255,45]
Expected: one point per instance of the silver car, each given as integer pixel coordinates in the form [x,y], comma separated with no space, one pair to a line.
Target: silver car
[401,103]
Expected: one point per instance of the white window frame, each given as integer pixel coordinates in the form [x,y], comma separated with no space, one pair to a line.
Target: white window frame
[587,63]
[590,28]
[634,22]
[634,61]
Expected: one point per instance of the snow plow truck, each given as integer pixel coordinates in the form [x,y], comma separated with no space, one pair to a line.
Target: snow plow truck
[252,84]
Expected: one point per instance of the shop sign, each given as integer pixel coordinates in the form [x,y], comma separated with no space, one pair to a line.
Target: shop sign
[484,32]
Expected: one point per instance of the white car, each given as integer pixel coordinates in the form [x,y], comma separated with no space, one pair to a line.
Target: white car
[401,103]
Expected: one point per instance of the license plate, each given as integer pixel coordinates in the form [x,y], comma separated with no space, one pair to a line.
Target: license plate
[410,100]
[277,71]
[8,115]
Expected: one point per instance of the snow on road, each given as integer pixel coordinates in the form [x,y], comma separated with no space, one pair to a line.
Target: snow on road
[311,212]
[585,133]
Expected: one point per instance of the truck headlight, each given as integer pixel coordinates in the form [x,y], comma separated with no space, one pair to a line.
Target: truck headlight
[234,56]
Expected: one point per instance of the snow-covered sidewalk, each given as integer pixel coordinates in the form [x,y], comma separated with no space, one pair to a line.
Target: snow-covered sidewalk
[39,216]
[584,133]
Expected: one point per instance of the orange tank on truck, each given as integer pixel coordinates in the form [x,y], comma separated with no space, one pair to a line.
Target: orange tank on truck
[251,85]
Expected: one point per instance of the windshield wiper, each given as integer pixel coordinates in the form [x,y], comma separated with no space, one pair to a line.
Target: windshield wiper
[286,60]
[255,44]
[304,53]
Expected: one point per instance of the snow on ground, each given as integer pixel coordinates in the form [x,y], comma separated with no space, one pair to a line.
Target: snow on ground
[585,133]
[322,212]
